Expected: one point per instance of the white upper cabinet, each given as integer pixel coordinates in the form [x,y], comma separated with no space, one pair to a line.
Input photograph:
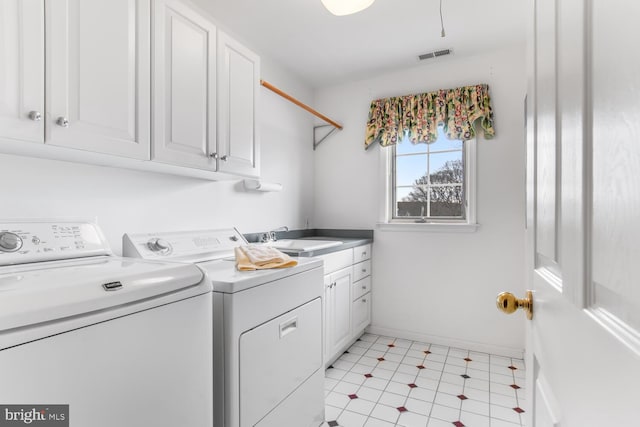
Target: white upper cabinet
[22,70]
[238,85]
[76,80]
[184,88]
[98,76]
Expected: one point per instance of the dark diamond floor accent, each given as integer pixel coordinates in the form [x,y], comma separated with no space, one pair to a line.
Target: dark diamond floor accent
[518,410]
[513,368]
[333,424]
[420,366]
[380,359]
[426,352]
[458,424]
[465,376]
[368,375]
[466,359]
[353,396]
[412,385]
[402,409]
[390,345]
[462,397]
[514,386]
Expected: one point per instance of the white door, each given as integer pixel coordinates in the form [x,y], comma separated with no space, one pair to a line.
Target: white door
[22,70]
[98,76]
[583,137]
[339,302]
[238,84]
[184,86]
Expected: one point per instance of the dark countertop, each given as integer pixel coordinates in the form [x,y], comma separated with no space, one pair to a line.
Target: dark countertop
[350,239]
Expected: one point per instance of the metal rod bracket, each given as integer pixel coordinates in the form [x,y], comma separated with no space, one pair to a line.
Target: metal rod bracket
[317,141]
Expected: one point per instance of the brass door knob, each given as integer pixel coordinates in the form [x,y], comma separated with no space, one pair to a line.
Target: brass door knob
[508,303]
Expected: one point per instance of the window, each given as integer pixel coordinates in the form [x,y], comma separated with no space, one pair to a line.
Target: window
[431,183]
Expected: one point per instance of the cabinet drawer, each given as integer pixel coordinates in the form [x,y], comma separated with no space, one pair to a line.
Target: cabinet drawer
[360,314]
[361,253]
[362,269]
[360,287]
[337,260]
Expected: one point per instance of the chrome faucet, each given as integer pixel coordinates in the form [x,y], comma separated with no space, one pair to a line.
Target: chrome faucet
[270,236]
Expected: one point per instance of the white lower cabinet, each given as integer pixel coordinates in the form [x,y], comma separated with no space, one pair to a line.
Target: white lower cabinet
[347,302]
[337,311]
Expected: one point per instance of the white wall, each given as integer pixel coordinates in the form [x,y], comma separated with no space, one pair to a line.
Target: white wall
[427,285]
[131,201]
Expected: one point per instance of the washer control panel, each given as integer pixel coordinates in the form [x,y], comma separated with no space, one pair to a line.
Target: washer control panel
[188,245]
[37,241]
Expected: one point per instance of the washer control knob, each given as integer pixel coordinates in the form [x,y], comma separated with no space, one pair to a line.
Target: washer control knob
[160,246]
[9,242]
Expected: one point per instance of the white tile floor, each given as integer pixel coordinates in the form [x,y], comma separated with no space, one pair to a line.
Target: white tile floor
[385,382]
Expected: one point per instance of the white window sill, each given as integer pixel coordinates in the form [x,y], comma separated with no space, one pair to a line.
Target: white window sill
[430,227]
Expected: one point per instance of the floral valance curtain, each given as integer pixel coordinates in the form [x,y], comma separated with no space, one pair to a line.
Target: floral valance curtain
[419,116]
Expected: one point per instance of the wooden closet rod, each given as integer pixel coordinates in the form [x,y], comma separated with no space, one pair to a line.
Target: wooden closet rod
[299,104]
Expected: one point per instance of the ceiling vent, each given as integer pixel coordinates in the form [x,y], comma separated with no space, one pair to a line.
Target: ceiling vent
[434,54]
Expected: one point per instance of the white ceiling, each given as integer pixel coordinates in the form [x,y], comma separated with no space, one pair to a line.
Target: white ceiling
[324,49]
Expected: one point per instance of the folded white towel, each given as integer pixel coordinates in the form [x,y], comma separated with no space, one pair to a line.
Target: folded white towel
[259,254]
[257,257]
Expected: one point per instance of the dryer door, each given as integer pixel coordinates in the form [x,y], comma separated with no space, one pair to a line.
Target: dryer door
[276,358]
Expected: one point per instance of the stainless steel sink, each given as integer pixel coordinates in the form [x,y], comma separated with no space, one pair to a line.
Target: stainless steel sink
[303,245]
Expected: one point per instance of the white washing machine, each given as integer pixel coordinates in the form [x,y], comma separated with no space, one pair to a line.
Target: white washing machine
[123,342]
[267,334]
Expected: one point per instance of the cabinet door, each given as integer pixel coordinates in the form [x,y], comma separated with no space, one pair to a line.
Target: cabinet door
[22,70]
[98,76]
[184,86]
[361,314]
[340,300]
[238,83]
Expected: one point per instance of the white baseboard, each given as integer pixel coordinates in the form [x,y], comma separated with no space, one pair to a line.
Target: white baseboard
[449,342]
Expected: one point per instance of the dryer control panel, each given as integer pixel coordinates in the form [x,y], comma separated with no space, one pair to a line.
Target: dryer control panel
[37,241]
[192,246]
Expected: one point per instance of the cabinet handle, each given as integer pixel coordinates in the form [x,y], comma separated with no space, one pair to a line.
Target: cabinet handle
[35,116]
[62,122]
[224,158]
[213,155]
[364,270]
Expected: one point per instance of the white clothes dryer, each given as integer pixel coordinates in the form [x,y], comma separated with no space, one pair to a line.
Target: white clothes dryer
[267,329]
[123,342]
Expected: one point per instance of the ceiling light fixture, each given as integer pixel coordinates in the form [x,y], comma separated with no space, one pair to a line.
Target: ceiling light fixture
[346,7]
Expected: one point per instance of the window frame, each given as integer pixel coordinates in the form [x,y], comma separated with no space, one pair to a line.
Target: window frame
[387,208]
